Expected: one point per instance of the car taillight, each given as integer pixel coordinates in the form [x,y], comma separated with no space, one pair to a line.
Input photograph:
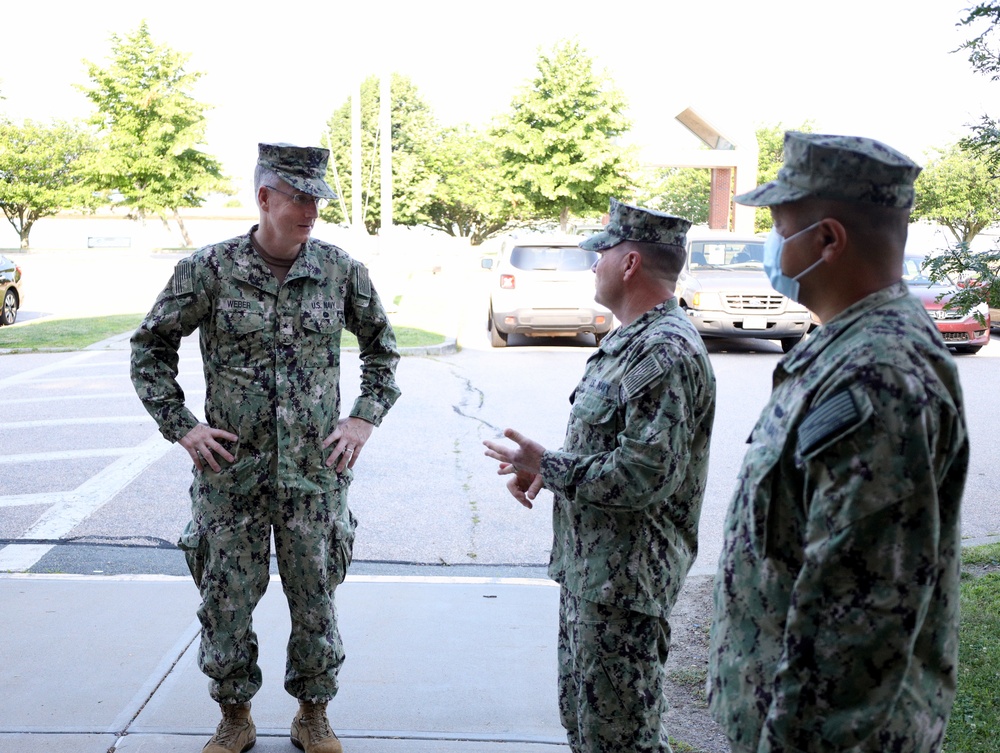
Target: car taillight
[507,282]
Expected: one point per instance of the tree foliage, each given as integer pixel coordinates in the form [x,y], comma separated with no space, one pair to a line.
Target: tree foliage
[978,275]
[152,128]
[559,143]
[413,138]
[958,190]
[471,198]
[41,172]
[682,191]
[770,157]
[984,56]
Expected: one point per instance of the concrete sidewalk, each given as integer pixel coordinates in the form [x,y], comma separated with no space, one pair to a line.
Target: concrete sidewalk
[433,666]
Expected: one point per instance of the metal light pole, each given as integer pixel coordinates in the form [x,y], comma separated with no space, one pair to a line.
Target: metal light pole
[385,136]
[357,179]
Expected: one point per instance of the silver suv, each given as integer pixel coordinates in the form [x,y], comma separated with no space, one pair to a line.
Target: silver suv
[543,286]
[726,293]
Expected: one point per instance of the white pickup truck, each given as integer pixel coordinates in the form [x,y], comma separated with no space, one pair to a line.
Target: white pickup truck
[725,292]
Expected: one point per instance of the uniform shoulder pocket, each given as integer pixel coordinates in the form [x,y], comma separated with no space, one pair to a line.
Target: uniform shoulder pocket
[183,282]
[362,285]
[835,417]
[640,376]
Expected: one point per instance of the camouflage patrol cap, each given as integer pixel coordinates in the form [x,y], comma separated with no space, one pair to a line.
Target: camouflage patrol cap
[846,168]
[628,223]
[301,167]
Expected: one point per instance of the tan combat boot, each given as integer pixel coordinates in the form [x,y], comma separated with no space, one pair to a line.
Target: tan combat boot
[311,730]
[236,732]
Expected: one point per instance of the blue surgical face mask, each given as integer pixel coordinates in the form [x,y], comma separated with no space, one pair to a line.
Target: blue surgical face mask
[773,246]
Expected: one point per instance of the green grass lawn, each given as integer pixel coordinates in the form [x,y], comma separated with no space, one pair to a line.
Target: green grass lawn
[66,334]
[974,717]
[73,334]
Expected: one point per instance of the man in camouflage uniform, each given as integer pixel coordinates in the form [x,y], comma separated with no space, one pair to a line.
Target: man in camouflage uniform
[628,486]
[836,599]
[273,454]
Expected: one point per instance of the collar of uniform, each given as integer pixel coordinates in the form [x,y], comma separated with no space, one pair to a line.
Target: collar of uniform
[826,334]
[617,339]
[249,266]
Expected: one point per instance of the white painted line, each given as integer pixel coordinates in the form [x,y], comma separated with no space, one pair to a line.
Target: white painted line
[94,396]
[22,556]
[76,506]
[61,364]
[75,397]
[26,500]
[54,457]
[136,419]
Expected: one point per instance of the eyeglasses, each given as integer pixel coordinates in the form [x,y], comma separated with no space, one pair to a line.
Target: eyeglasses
[301,199]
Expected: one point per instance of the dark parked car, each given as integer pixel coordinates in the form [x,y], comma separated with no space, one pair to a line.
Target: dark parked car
[10,286]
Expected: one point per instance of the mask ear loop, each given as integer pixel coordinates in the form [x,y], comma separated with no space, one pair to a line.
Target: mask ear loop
[808,269]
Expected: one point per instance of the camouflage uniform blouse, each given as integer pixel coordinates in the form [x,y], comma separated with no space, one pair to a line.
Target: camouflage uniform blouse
[271,357]
[630,478]
[836,600]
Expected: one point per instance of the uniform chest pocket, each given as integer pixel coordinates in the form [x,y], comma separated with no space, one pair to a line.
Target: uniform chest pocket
[321,343]
[241,338]
[758,484]
[594,409]
[243,323]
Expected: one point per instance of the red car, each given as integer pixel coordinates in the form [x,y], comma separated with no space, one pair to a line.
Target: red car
[960,330]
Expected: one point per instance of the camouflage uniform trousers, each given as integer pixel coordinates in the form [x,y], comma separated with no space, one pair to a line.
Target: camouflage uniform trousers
[227,546]
[611,677]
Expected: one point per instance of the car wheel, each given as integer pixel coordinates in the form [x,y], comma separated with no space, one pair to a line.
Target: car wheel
[9,313]
[787,343]
[969,350]
[598,336]
[498,339]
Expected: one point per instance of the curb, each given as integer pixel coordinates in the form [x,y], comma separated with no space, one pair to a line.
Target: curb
[120,342]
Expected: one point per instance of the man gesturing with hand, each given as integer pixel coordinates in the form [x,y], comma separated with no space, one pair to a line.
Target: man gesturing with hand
[628,485]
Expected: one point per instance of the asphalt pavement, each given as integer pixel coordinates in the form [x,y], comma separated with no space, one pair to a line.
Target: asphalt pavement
[91,663]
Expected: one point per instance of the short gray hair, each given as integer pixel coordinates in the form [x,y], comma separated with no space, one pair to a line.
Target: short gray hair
[263,176]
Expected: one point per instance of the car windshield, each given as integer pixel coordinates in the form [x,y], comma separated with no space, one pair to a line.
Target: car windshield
[727,254]
[914,272]
[552,258]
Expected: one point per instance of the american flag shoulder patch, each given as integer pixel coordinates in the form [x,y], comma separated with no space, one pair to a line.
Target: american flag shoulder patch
[829,418]
[363,284]
[642,375]
[183,279]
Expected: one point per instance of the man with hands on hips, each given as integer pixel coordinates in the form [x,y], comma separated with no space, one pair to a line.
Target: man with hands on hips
[273,455]
[628,485]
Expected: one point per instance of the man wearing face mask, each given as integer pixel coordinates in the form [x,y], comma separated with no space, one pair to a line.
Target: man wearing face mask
[836,598]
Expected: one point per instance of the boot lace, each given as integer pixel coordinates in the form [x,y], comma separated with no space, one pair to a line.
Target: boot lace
[317,725]
[228,730]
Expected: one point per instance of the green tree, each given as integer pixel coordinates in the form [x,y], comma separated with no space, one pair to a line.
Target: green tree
[984,56]
[413,136]
[683,191]
[978,274]
[958,190]
[152,128]
[559,144]
[771,156]
[41,172]
[470,198]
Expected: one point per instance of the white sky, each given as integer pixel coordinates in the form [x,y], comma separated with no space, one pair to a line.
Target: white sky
[880,68]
